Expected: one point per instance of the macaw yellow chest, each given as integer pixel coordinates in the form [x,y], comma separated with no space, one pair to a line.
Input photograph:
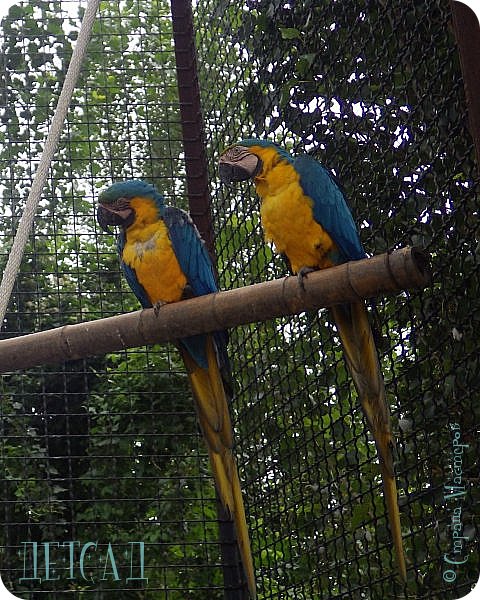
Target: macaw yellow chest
[288,222]
[148,250]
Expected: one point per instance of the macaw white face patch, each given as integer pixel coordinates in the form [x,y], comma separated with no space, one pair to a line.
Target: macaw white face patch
[238,163]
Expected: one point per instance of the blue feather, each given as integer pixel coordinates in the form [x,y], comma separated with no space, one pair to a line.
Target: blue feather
[131,189]
[248,142]
[190,252]
[197,267]
[329,206]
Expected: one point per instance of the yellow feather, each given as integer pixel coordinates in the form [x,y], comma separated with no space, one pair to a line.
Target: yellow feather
[147,248]
[288,221]
[149,252]
[362,359]
[214,418]
[304,241]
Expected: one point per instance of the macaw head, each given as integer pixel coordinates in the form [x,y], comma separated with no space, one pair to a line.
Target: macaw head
[124,201]
[249,159]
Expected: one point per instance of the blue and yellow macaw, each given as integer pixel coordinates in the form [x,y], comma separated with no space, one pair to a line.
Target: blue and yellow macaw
[304,213]
[164,260]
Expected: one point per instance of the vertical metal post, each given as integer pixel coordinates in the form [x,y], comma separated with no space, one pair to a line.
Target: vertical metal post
[199,204]
[192,121]
[467,33]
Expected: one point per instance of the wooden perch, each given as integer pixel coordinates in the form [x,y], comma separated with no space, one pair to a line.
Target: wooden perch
[403,269]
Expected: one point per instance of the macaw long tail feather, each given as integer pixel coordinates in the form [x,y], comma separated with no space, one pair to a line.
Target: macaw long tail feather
[214,419]
[362,359]
[391,499]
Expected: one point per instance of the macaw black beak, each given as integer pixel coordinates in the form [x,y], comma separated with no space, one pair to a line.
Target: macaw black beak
[108,216]
[230,173]
[232,170]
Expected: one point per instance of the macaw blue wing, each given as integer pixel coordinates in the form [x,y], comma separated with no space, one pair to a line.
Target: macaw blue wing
[131,276]
[329,206]
[196,264]
[190,251]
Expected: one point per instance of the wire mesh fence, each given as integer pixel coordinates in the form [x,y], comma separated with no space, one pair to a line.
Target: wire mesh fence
[375,93]
[106,450]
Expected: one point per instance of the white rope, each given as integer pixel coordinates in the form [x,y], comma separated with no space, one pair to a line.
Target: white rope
[51,143]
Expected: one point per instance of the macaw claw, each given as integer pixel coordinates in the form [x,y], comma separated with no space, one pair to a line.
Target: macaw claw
[157,306]
[303,272]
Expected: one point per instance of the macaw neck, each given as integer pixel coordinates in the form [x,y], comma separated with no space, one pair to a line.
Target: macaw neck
[147,217]
[275,177]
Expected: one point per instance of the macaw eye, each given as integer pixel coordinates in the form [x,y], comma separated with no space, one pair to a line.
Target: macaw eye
[236,153]
[121,203]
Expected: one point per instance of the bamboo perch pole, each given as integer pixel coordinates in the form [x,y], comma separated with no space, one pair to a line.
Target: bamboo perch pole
[403,269]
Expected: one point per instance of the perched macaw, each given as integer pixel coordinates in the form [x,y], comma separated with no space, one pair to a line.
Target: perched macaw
[164,260]
[304,213]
